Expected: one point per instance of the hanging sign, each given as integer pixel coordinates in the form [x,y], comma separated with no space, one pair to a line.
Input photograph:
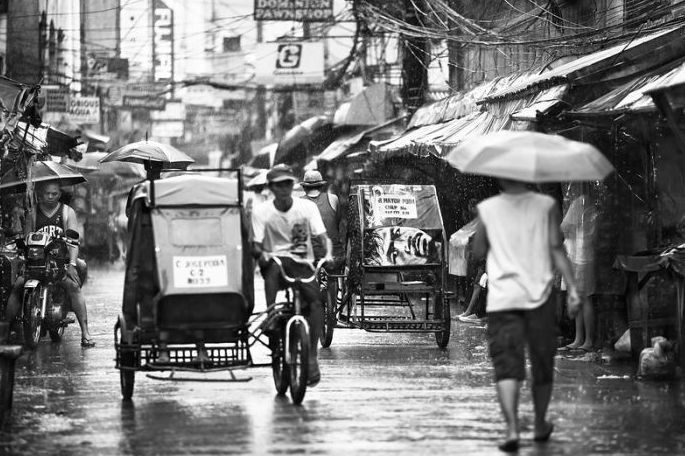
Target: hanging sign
[396,206]
[163,42]
[289,63]
[84,110]
[293,10]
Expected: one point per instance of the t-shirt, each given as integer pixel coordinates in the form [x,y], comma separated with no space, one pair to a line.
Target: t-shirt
[287,233]
[519,262]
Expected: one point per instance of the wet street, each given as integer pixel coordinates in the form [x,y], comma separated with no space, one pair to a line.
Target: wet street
[380,394]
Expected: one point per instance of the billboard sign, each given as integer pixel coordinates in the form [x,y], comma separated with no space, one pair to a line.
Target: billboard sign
[136,41]
[163,42]
[293,10]
[290,63]
[150,103]
[167,128]
[84,110]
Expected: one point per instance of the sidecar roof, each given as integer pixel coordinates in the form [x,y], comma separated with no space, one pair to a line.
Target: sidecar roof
[191,190]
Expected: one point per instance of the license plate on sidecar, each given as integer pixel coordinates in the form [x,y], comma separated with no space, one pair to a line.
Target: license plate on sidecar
[200,271]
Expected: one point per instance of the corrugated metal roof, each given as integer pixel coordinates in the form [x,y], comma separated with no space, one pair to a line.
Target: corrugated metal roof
[632,96]
[462,104]
[598,61]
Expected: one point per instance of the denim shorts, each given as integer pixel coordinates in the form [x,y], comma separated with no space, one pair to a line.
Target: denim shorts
[509,332]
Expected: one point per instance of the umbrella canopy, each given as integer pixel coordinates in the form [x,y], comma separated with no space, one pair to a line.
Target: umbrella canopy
[258,180]
[265,157]
[313,133]
[144,152]
[529,157]
[41,171]
[90,163]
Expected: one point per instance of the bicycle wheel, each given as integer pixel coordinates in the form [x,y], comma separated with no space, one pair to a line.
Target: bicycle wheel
[329,308]
[278,365]
[442,312]
[299,356]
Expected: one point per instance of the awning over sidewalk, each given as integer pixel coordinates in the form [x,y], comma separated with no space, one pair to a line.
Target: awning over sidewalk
[437,139]
[627,58]
[633,96]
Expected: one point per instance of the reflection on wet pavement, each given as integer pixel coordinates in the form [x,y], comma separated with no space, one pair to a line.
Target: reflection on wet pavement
[380,394]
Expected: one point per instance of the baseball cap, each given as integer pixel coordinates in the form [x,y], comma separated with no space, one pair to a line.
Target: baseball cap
[280,173]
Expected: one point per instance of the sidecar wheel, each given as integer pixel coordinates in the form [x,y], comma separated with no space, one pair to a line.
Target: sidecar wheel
[127,377]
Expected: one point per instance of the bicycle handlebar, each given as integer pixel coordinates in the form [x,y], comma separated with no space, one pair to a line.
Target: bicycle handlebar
[292,280]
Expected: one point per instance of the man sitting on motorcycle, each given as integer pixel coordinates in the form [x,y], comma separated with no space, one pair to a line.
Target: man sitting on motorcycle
[284,227]
[54,217]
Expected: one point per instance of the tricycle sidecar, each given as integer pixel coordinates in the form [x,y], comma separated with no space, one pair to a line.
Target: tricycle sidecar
[188,283]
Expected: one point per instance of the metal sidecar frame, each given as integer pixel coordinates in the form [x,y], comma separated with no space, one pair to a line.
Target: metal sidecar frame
[396,264]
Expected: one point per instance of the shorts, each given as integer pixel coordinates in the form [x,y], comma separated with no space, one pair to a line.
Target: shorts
[508,334]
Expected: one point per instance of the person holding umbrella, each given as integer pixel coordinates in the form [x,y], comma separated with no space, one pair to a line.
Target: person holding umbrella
[520,234]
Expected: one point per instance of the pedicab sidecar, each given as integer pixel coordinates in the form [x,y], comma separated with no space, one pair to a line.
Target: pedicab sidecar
[394,279]
[188,284]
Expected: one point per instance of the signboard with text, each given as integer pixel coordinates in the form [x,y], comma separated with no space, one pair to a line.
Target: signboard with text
[157,103]
[84,110]
[163,42]
[289,63]
[293,10]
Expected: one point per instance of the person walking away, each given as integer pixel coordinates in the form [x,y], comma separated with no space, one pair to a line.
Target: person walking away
[519,232]
[285,227]
[331,213]
[54,217]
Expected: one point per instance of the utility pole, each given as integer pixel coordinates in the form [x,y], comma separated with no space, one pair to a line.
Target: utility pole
[414,61]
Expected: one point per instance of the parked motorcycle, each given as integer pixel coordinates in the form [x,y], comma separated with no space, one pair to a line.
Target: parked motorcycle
[45,304]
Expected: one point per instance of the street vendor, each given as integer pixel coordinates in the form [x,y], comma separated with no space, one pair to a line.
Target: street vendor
[53,217]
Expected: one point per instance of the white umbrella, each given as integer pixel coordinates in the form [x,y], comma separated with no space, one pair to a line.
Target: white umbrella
[529,157]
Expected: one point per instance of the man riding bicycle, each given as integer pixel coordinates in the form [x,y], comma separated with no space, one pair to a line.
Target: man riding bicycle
[285,227]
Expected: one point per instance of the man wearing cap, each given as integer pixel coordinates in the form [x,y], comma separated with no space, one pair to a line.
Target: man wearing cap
[329,208]
[285,227]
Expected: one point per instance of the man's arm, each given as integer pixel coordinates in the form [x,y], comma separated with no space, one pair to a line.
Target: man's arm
[562,263]
[480,242]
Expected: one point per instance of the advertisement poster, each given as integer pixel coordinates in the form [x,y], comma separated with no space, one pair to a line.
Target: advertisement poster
[289,63]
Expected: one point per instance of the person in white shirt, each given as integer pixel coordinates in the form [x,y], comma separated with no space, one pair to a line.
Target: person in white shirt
[519,232]
[284,227]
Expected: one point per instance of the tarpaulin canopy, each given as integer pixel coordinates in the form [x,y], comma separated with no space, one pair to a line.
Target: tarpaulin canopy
[372,106]
[353,141]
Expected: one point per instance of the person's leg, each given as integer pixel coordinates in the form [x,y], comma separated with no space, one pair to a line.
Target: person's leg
[580,333]
[588,317]
[541,339]
[313,311]
[272,276]
[78,306]
[508,396]
[506,341]
[475,293]
[14,301]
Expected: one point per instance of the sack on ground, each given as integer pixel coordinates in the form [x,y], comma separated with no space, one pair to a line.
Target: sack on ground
[658,361]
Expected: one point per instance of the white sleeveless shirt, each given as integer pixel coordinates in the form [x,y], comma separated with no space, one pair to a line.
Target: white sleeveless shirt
[519,262]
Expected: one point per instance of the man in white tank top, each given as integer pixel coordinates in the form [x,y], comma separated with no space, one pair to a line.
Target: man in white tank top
[519,231]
